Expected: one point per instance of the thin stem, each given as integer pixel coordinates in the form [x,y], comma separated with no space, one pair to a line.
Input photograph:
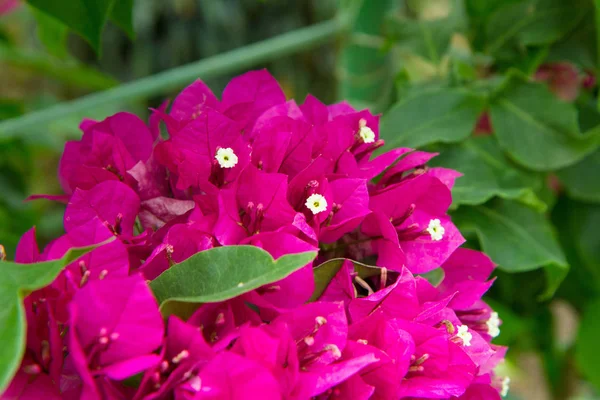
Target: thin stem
[235,60]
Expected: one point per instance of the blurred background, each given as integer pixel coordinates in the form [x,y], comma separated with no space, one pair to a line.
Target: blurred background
[504,90]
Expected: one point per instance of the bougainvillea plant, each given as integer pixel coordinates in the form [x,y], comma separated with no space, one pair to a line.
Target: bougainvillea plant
[232,261]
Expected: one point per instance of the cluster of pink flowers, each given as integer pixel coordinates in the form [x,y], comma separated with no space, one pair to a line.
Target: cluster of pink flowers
[253,168]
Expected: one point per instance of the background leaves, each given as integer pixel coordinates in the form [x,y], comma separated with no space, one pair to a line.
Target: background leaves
[438,114]
[88,17]
[487,174]
[537,129]
[515,236]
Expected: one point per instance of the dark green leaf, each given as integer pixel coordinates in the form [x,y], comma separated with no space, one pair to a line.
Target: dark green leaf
[325,272]
[487,173]
[439,114]
[223,273]
[581,180]
[578,46]
[86,17]
[122,15]
[537,129]
[517,238]
[533,22]
[52,33]
[587,351]
[18,280]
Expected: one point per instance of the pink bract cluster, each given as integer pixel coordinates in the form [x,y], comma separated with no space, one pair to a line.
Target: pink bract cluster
[253,168]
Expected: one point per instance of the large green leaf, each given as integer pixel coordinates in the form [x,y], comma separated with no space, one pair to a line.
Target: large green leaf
[122,15]
[487,173]
[537,129]
[578,46]
[86,17]
[52,33]
[18,280]
[517,238]
[581,180]
[533,22]
[587,351]
[223,273]
[438,114]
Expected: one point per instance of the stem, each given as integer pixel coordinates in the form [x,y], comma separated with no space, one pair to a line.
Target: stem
[247,56]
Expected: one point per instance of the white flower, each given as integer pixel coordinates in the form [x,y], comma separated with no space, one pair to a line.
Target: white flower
[316,203]
[435,229]
[366,134]
[226,157]
[505,386]
[493,325]
[464,334]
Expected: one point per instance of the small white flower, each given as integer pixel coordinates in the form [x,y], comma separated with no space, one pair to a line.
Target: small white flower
[464,334]
[316,203]
[435,229]
[505,386]
[366,134]
[493,325]
[226,157]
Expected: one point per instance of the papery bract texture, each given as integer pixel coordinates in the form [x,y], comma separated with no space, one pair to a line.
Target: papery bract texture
[257,169]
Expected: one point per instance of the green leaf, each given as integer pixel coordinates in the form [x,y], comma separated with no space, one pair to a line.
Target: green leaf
[439,114]
[122,15]
[325,272]
[86,17]
[52,33]
[487,173]
[581,179]
[18,280]
[533,22]
[517,238]
[587,351]
[223,273]
[538,130]
[578,46]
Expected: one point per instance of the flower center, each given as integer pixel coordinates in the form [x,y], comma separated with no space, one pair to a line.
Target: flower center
[493,325]
[366,134]
[464,334]
[316,203]
[226,157]
[436,230]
